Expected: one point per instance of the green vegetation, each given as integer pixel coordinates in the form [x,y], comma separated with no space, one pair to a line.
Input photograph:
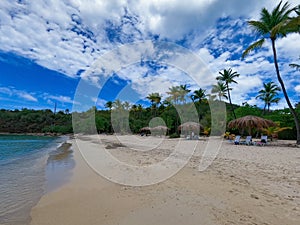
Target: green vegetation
[35,121]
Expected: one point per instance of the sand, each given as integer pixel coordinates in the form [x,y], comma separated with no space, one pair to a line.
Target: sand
[243,185]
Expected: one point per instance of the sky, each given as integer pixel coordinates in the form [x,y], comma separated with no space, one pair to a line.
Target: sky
[48,48]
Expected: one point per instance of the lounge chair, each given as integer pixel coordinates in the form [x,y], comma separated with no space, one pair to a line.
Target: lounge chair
[263,141]
[237,140]
[248,140]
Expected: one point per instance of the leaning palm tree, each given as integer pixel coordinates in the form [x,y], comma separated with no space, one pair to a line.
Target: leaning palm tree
[228,76]
[199,95]
[220,89]
[269,94]
[274,25]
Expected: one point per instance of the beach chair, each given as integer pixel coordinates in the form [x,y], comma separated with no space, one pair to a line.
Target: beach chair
[248,140]
[237,140]
[263,140]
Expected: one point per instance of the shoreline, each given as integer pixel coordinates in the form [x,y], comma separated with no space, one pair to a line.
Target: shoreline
[60,164]
[244,184]
[38,134]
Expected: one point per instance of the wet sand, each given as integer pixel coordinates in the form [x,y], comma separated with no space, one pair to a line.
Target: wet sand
[243,185]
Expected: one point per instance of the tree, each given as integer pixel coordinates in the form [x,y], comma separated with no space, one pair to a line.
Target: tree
[109,105]
[227,76]
[117,104]
[220,89]
[275,25]
[269,94]
[199,95]
[174,93]
[154,98]
[183,91]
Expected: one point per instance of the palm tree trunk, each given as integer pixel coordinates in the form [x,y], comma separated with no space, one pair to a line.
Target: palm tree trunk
[297,123]
[230,101]
[264,111]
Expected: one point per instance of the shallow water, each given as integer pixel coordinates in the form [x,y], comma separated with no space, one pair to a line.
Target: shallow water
[23,163]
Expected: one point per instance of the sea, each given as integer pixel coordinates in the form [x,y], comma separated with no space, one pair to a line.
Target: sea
[30,166]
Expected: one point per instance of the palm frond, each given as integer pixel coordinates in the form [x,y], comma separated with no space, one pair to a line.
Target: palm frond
[253,46]
[259,26]
[294,65]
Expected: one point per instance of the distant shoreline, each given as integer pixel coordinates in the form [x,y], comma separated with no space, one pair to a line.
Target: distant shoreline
[38,134]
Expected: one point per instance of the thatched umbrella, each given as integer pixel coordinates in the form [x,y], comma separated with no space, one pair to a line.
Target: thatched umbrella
[190,127]
[145,129]
[250,122]
[160,130]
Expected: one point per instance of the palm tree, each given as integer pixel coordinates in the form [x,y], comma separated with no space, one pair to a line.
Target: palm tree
[109,105]
[220,89]
[117,104]
[275,25]
[199,95]
[126,105]
[174,93]
[227,76]
[154,98]
[269,94]
[183,91]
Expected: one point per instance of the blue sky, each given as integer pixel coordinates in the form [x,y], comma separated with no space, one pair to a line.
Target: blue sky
[48,47]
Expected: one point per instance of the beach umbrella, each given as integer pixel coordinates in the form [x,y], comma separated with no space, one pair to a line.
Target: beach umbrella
[159,130]
[145,129]
[189,127]
[251,122]
[193,126]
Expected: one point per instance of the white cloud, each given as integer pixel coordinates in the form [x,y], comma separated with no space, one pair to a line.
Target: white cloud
[11,91]
[27,97]
[68,36]
[60,98]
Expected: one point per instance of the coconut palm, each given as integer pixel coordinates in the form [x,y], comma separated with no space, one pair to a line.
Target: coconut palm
[109,105]
[274,25]
[154,98]
[117,104]
[183,91]
[220,89]
[228,76]
[199,95]
[174,94]
[126,105]
[269,94]
[273,131]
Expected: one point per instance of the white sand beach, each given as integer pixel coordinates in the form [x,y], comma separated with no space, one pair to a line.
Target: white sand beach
[243,185]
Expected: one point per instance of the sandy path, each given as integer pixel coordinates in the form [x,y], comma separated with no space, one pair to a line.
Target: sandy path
[244,185]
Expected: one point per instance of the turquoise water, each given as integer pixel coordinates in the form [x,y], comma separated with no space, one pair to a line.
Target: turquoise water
[23,161]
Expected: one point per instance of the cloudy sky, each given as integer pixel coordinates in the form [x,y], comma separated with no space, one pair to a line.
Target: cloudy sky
[47,47]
